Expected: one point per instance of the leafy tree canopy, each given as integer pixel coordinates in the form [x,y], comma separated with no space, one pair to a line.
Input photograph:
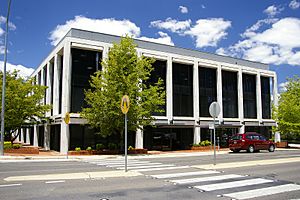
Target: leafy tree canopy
[124,73]
[22,103]
[287,112]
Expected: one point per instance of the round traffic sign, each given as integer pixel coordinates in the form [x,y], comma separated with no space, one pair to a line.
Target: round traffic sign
[67,118]
[214,109]
[125,104]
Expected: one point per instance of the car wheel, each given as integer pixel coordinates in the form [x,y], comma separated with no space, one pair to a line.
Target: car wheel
[271,148]
[251,149]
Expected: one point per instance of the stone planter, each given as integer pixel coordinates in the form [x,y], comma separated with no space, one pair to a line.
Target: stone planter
[138,151]
[23,150]
[93,152]
[281,144]
[201,148]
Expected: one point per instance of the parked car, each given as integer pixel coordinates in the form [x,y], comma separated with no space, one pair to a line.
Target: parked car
[251,142]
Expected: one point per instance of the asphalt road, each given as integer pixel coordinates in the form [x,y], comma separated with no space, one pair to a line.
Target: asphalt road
[146,186]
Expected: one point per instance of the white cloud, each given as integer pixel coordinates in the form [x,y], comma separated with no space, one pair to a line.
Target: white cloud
[11,27]
[251,31]
[203,6]
[172,25]
[163,39]
[208,32]
[108,26]
[183,9]
[294,4]
[282,87]
[23,71]
[271,11]
[279,44]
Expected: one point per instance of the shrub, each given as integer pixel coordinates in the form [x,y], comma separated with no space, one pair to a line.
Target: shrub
[89,149]
[196,145]
[202,143]
[130,148]
[207,143]
[77,149]
[100,147]
[7,145]
[16,146]
[112,146]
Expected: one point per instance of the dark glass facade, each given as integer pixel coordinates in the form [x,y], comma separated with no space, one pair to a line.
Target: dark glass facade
[160,71]
[249,96]
[51,83]
[207,89]
[265,97]
[60,84]
[45,82]
[182,90]
[230,94]
[84,64]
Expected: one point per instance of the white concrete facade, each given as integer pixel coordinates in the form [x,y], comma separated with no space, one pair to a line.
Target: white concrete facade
[64,49]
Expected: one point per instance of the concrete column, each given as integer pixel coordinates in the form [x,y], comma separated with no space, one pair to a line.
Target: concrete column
[139,139]
[35,136]
[169,89]
[277,137]
[258,97]
[197,135]
[196,90]
[49,84]
[22,135]
[240,96]
[27,131]
[17,138]
[56,76]
[64,138]
[66,97]
[47,137]
[42,83]
[242,129]
[219,91]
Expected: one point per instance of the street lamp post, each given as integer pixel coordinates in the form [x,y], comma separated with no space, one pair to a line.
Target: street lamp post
[4,83]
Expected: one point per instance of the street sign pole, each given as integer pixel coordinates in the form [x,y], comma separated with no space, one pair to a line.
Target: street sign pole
[214,141]
[126,142]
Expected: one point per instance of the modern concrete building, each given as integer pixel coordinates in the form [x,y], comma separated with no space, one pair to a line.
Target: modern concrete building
[193,80]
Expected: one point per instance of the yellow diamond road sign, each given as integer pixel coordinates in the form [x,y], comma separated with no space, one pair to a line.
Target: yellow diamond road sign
[125,104]
[67,118]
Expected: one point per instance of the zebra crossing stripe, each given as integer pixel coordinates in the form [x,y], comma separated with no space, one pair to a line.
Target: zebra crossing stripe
[119,163]
[203,179]
[134,164]
[263,191]
[161,168]
[146,166]
[233,184]
[174,175]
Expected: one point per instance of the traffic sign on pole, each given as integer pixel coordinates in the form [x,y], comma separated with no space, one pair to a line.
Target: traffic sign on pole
[214,111]
[125,108]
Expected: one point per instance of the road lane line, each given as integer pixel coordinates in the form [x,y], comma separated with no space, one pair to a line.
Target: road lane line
[203,179]
[175,175]
[146,166]
[11,185]
[161,168]
[134,164]
[51,182]
[263,191]
[233,184]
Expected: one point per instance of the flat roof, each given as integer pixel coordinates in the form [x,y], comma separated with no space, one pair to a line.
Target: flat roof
[101,37]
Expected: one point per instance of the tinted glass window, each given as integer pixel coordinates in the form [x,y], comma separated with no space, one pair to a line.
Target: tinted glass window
[182,90]
[160,69]
[255,137]
[249,137]
[84,64]
[265,97]
[249,95]
[236,137]
[262,138]
[207,89]
[229,92]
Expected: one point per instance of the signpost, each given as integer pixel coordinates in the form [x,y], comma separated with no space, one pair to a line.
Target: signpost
[214,111]
[125,108]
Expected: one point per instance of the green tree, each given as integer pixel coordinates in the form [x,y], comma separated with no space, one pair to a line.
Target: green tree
[287,112]
[22,103]
[124,73]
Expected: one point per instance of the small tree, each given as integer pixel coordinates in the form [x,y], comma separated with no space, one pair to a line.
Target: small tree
[22,103]
[123,73]
[287,112]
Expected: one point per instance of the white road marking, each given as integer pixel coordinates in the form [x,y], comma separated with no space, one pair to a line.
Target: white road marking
[203,179]
[174,175]
[161,168]
[119,163]
[11,185]
[50,182]
[133,164]
[146,166]
[233,184]
[263,191]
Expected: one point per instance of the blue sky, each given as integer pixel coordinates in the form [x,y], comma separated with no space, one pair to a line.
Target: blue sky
[264,31]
